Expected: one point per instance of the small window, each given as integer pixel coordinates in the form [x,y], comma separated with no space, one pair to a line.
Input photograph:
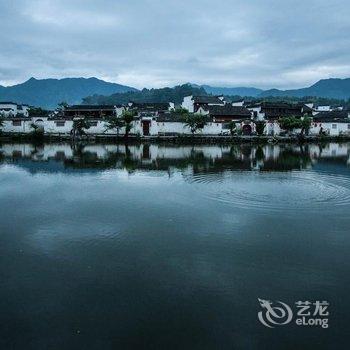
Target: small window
[60,123]
[334,126]
[16,122]
[17,154]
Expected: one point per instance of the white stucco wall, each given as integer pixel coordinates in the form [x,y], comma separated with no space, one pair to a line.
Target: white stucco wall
[188,103]
[8,109]
[272,128]
[182,129]
[259,114]
[158,128]
[333,129]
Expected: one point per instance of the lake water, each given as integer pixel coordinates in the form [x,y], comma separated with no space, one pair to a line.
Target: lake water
[170,247]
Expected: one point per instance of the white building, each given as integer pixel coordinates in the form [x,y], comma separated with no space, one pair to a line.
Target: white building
[193,103]
[238,103]
[12,109]
[323,109]
[334,123]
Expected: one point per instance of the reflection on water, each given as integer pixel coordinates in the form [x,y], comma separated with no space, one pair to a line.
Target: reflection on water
[198,159]
[151,246]
[216,167]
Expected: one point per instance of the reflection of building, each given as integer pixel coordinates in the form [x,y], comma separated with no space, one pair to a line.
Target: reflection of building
[199,158]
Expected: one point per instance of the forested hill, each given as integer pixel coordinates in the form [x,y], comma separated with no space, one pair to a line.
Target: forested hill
[328,88]
[47,93]
[175,94]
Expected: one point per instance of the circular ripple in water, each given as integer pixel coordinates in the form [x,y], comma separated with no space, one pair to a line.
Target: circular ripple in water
[275,191]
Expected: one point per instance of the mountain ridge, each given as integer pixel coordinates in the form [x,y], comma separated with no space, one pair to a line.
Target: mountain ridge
[47,93]
[329,88]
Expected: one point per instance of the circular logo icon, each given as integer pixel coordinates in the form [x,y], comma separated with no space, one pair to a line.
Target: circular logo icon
[274,314]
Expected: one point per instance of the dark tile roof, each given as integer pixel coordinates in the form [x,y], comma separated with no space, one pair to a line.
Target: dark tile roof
[176,118]
[7,103]
[150,106]
[18,117]
[207,99]
[306,108]
[275,110]
[333,116]
[229,110]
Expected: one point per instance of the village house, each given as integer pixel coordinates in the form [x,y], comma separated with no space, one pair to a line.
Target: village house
[276,110]
[193,103]
[92,111]
[333,123]
[13,110]
[227,113]
[271,112]
[147,113]
[160,119]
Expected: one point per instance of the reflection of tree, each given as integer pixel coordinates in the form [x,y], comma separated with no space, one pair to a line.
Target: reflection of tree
[83,159]
[259,153]
[288,159]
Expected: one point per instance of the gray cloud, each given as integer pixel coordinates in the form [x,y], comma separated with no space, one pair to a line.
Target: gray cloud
[155,43]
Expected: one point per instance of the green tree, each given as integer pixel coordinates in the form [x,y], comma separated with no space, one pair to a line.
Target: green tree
[195,122]
[305,125]
[290,123]
[38,112]
[79,127]
[114,123]
[1,122]
[232,127]
[259,154]
[62,105]
[38,132]
[180,111]
[260,127]
[127,119]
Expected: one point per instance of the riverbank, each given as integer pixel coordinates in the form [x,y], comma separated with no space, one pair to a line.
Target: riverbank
[178,139]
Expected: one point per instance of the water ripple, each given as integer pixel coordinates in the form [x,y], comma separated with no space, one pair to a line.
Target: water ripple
[275,191]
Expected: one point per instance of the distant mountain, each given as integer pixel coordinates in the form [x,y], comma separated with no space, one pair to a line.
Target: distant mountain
[235,91]
[329,88]
[47,93]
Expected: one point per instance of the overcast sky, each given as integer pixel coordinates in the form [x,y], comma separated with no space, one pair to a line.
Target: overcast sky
[155,43]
